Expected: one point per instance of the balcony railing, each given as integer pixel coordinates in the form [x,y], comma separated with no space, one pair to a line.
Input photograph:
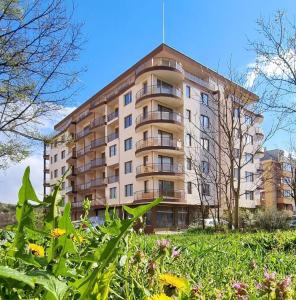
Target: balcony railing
[98,122]
[112,136]
[83,115]
[113,179]
[82,133]
[98,162]
[94,202]
[92,184]
[198,80]
[174,169]
[71,154]
[158,90]
[70,189]
[167,195]
[159,142]
[112,116]
[159,116]
[98,142]
[160,62]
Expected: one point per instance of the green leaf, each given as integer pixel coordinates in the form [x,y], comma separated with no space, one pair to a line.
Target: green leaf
[12,274]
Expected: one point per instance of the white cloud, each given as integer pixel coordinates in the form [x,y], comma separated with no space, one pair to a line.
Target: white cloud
[271,67]
[11,178]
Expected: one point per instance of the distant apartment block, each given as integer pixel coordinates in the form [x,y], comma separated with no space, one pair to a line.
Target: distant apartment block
[278,179]
[128,144]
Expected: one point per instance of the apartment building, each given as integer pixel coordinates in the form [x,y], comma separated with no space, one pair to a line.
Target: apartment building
[278,180]
[129,143]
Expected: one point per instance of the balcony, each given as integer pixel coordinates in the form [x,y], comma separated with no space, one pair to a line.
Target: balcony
[258,118]
[93,203]
[71,189]
[153,143]
[161,66]
[98,162]
[168,196]
[112,136]
[113,179]
[112,116]
[83,133]
[71,155]
[98,122]
[83,150]
[168,119]
[98,142]
[159,169]
[165,94]
[92,184]
[259,134]
[83,115]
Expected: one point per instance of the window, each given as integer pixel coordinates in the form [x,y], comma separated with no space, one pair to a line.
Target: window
[249,177]
[205,189]
[112,193]
[249,158]
[248,120]
[51,159]
[235,173]
[51,175]
[248,139]
[128,144]
[205,99]
[188,115]
[112,150]
[128,190]
[63,170]
[145,135]
[205,167]
[287,180]
[236,153]
[236,112]
[189,164]
[189,187]
[205,144]
[145,112]
[204,121]
[127,98]
[287,167]
[146,186]
[55,173]
[145,160]
[188,139]
[128,121]
[128,167]
[63,154]
[55,158]
[188,91]
[249,195]
[287,193]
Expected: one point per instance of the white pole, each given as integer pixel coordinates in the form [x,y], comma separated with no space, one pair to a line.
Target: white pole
[163,20]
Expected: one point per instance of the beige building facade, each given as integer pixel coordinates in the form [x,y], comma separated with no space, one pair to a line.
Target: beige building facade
[130,142]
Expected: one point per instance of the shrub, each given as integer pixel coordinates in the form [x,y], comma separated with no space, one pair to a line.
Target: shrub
[271,219]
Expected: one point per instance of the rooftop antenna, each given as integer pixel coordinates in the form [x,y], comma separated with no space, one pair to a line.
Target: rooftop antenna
[163,28]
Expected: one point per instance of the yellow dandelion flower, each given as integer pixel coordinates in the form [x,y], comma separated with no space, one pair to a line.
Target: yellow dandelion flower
[36,250]
[78,239]
[173,281]
[57,232]
[160,297]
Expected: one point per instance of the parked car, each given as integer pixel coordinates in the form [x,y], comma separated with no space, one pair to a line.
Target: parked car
[292,224]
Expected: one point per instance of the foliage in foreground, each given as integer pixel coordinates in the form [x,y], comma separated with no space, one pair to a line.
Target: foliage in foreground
[54,260]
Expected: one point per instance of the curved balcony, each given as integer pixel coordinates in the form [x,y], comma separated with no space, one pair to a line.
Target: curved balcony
[159,169]
[166,94]
[167,119]
[168,196]
[153,143]
[161,66]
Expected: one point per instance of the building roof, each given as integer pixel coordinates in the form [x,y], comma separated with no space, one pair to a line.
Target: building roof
[154,52]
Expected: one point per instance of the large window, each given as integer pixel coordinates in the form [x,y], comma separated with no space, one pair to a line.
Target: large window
[188,115]
[188,91]
[205,167]
[112,193]
[189,187]
[287,167]
[249,176]
[248,120]
[56,173]
[55,158]
[204,121]
[189,163]
[128,144]
[112,150]
[188,139]
[164,217]
[248,139]
[205,143]
[128,167]
[128,190]
[249,195]
[205,99]
[249,158]
[205,189]
[287,193]
[127,98]
[166,188]
[63,170]
[235,173]
[63,154]
[128,121]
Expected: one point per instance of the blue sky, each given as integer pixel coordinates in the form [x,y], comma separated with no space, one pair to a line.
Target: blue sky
[119,33]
